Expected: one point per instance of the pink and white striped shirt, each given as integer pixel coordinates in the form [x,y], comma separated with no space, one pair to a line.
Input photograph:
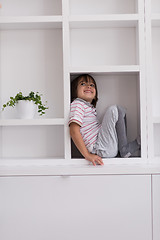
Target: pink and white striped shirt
[84,114]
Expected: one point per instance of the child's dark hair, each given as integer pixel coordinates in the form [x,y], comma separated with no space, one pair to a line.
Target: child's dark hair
[74,85]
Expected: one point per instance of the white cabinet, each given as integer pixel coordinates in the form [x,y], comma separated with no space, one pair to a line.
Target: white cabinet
[76,207]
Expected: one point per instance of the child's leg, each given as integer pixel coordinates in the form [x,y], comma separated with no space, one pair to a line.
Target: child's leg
[121,127]
[126,149]
[107,142]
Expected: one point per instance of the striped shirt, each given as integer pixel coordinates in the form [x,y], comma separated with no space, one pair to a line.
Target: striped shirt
[84,114]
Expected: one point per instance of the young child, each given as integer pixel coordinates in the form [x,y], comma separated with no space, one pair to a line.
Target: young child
[93,139]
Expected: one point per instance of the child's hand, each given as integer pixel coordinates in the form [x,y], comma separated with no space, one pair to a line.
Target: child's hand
[95,159]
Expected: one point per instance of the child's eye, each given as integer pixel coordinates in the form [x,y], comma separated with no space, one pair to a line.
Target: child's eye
[83,84]
[92,85]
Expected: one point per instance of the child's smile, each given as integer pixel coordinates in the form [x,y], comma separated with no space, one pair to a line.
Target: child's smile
[86,90]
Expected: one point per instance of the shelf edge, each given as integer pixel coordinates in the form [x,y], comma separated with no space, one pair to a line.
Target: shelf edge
[106,69]
[31,122]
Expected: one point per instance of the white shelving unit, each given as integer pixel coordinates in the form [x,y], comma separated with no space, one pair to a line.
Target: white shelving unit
[106,40]
[31,46]
[43,46]
[152,75]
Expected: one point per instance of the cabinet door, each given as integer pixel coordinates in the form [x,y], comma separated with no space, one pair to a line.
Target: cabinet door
[156,206]
[76,207]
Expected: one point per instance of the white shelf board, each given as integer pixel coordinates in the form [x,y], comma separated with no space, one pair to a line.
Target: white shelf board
[155,20]
[71,169]
[106,69]
[30,22]
[31,122]
[156,120]
[94,21]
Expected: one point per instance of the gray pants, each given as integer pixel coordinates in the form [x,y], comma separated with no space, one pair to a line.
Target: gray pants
[112,136]
[107,142]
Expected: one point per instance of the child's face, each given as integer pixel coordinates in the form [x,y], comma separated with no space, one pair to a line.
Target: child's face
[86,90]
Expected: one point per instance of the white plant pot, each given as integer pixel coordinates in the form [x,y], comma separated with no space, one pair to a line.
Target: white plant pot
[26,109]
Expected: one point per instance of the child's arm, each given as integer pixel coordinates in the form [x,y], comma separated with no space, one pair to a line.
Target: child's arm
[78,140]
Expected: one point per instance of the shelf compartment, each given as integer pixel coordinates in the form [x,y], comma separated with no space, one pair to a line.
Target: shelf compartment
[29,22]
[31,122]
[32,142]
[103,46]
[30,8]
[102,21]
[102,6]
[118,89]
[32,60]
[155,6]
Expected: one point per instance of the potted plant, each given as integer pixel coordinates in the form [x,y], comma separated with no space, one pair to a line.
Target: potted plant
[26,104]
